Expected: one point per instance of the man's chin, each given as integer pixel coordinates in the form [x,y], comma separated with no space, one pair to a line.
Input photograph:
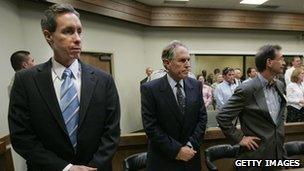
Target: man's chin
[76,56]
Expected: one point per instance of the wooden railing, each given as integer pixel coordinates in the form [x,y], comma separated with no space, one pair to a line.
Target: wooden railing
[137,142]
[6,160]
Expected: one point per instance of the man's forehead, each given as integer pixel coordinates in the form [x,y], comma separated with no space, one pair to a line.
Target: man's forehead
[68,19]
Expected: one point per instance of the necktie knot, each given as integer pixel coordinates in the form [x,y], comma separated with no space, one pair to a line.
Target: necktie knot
[270,84]
[178,85]
[66,73]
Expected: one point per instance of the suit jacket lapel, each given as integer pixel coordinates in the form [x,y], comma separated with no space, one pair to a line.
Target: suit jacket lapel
[170,98]
[282,105]
[260,98]
[88,82]
[45,85]
[188,87]
[188,92]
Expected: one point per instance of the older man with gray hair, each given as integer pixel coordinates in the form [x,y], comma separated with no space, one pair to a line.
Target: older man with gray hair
[174,114]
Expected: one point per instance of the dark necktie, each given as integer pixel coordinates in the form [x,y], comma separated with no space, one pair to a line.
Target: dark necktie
[180,98]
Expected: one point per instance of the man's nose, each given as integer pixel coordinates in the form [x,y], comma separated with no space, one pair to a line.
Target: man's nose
[77,38]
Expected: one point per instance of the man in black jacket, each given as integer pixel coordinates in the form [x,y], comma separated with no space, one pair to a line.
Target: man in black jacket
[174,114]
[64,114]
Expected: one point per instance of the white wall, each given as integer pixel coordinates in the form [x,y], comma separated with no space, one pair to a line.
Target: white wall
[11,39]
[217,40]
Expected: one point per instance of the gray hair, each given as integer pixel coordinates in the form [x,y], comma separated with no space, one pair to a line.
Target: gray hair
[169,51]
[48,21]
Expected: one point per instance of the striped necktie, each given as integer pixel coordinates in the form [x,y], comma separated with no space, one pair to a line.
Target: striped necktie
[180,98]
[69,105]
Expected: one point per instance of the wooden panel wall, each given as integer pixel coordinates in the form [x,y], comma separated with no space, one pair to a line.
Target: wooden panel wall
[238,19]
[132,11]
[125,10]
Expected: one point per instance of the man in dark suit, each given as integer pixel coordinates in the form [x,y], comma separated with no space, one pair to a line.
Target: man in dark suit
[259,104]
[149,71]
[64,114]
[174,114]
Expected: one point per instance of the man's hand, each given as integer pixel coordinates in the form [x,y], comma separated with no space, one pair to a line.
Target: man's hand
[250,142]
[82,168]
[185,153]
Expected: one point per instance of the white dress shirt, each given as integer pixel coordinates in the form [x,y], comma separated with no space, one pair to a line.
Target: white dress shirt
[295,93]
[273,99]
[223,92]
[288,75]
[57,71]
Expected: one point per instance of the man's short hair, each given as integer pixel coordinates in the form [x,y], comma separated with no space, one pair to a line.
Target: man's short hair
[48,21]
[265,52]
[18,58]
[169,51]
[249,71]
[226,70]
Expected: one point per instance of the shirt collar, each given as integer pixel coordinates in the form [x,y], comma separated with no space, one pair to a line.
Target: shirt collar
[172,82]
[263,80]
[226,82]
[58,68]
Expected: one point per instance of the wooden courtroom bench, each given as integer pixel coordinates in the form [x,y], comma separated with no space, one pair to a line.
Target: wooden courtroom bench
[137,142]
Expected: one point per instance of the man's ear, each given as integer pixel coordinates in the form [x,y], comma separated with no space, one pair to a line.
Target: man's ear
[48,36]
[268,62]
[166,63]
[24,65]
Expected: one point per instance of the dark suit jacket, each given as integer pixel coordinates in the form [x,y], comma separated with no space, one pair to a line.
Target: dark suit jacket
[37,127]
[167,128]
[249,104]
[143,81]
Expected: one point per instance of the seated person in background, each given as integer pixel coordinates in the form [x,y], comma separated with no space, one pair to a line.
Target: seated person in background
[251,73]
[295,97]
[225,89]
[238,76]
[207,91]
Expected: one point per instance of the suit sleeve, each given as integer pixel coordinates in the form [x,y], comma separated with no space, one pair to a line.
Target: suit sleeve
[156,135]
[229,112]
[110,138]
[23,138]
[199,131]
